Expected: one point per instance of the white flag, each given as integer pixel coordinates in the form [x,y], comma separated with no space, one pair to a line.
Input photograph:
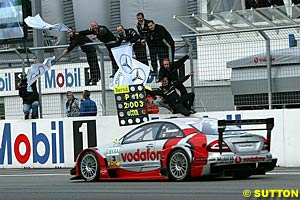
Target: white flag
[37,70]
[122,78]
[123,57]
[38,23]
[131,71]
[140,72]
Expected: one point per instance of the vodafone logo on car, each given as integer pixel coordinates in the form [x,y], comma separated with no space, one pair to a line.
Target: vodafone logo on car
[238,159]
[142,155]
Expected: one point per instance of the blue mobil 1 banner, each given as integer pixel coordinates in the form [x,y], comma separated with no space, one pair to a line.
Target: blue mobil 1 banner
[39,143]
[5,82]
[66,78]
[45,143]
[59,78]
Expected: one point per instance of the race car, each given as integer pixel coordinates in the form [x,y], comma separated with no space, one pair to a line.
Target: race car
[179,149]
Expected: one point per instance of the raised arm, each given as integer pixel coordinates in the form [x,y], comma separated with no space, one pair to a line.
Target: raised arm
[85,32]
[183,79]
[180,63]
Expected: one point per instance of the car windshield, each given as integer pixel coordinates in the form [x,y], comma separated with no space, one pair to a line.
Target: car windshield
[210,127]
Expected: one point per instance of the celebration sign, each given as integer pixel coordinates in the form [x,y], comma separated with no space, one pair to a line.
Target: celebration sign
[131,104]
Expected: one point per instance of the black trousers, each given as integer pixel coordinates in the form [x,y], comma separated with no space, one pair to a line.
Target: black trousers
[113,62]
[188,100]
[140,53]
[157,51]
[94,65]
[184,104]
[181,108]
[182,89]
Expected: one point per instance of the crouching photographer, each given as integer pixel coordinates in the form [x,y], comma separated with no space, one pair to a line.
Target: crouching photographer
[30,98]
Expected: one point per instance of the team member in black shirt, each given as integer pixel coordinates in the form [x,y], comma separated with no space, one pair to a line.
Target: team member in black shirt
[156,40]
[142,26]
[90,51]
[179,104]
[132,37]
[30,98]
[170,70]
[103,34]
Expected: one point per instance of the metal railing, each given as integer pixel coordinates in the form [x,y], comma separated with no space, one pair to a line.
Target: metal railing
[247,69]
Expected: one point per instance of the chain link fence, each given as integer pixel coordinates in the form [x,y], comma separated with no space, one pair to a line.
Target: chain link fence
[76,72]
[231,73]
[232,70]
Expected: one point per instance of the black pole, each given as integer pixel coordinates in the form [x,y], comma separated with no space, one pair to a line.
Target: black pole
[25,31]
[38,41]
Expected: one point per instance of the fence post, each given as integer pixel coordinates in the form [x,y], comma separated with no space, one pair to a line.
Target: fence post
[38,40]
[192,69]
[23,63]
[103,96]
[191,62]
[269,71]
[169,49]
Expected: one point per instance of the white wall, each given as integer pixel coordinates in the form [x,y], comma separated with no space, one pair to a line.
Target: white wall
[86,11]
[160,11]
[53,13]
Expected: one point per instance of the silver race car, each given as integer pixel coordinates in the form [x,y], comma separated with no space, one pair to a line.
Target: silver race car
[181,148]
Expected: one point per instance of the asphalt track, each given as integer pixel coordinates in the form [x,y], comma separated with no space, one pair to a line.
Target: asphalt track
[56,184]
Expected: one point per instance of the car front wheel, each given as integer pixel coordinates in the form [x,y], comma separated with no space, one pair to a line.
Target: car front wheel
[89,166]
[179,166]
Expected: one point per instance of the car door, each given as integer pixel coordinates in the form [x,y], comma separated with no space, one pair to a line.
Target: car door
[138,149]
[168,135]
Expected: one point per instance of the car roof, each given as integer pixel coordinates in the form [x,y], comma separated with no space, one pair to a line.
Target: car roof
[183,120]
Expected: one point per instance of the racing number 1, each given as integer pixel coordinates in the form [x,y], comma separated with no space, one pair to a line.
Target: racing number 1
[84,135]
[84,132]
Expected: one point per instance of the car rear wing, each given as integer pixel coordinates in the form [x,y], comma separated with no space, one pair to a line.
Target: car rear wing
[223,123]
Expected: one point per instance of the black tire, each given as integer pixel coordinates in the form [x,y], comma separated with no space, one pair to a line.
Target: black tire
[179,166]
[89,166]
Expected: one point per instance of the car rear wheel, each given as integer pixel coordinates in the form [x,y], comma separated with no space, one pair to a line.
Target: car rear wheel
[89,166]
[179,166]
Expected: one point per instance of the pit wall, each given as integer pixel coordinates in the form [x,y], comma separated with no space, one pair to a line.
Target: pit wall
[50,143]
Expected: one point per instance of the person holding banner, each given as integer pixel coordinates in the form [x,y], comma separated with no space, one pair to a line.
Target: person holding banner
[90,52]
[30,98]
[103,34]
[132,37]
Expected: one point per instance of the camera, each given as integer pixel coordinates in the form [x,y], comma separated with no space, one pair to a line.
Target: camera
[23,81]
